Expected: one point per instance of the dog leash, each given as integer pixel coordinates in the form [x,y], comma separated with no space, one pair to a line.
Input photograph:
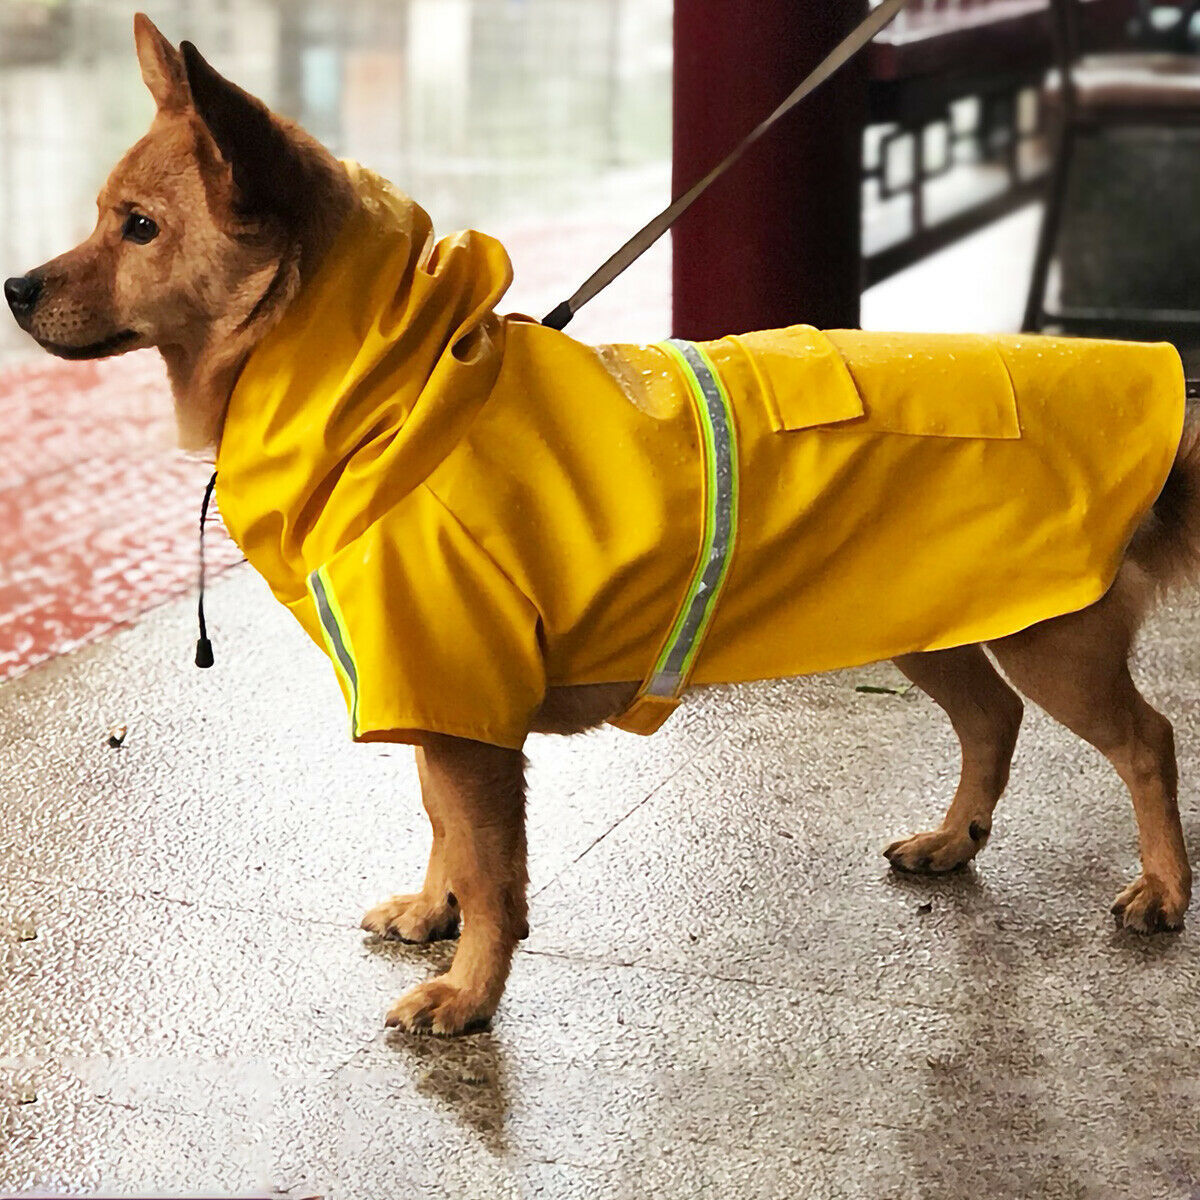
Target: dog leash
[645,237]
[641,241]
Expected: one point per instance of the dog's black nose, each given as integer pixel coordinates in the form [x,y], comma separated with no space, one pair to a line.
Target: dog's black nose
[22,292]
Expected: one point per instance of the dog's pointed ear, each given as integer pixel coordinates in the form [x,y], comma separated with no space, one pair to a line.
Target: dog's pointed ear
[161,63]
[249,136]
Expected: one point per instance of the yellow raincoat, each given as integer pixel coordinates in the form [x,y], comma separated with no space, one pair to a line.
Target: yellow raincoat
[463,509]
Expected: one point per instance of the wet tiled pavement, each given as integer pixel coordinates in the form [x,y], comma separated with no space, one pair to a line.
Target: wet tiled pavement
[725,993]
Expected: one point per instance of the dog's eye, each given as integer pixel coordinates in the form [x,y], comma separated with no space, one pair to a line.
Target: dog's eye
[139,228]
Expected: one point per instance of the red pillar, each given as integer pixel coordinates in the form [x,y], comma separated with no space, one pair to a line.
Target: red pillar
[778,239]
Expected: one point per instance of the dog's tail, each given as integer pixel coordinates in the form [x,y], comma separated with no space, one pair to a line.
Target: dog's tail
[1166,545]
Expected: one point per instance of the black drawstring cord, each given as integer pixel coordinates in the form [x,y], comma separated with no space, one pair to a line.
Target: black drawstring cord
[204,650]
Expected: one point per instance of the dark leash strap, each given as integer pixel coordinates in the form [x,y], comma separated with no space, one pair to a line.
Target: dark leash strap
[650,233]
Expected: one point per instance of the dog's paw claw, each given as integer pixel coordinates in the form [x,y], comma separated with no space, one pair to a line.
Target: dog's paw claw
[439,1007]
[412,919]
[1147,905]
[933,853]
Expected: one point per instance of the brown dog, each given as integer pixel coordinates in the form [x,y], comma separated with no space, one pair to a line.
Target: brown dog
[208,228]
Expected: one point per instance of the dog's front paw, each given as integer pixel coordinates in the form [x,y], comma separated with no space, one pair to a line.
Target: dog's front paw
[440,1007]
[937,852]
[1151,906]
[415,918]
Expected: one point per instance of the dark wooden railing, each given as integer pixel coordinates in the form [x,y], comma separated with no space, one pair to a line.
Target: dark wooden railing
[938,52]
[964,37]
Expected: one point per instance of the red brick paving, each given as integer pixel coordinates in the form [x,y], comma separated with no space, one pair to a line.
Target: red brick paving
[98,512]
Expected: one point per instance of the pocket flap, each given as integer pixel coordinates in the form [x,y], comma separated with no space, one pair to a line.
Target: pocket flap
[931,385]
[803,378]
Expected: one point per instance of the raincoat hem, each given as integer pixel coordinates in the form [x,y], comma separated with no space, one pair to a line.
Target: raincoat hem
[412,732]
[1071,600]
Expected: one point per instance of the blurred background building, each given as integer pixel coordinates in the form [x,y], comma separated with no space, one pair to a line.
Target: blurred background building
[549,122]
[512,115]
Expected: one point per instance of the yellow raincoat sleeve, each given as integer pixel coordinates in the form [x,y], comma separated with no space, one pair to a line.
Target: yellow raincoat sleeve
[426,633]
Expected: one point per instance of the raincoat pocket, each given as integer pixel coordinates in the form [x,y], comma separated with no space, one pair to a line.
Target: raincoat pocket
[931,385]
[952,385]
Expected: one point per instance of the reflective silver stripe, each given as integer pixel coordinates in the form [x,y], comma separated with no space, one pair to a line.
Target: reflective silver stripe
[719,444]
[336,640]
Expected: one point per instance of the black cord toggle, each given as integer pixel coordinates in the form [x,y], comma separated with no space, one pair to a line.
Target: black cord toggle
[204,650]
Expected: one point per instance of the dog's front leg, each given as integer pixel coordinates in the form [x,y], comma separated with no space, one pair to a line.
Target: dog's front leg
[431,913]
[476,794]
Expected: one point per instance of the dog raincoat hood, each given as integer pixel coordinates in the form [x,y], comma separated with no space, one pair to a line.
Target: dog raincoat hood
[463,509]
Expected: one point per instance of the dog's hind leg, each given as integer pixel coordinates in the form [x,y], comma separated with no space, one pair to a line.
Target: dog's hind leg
[476,792]
[986,715]
[431,913]
[1076,668]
